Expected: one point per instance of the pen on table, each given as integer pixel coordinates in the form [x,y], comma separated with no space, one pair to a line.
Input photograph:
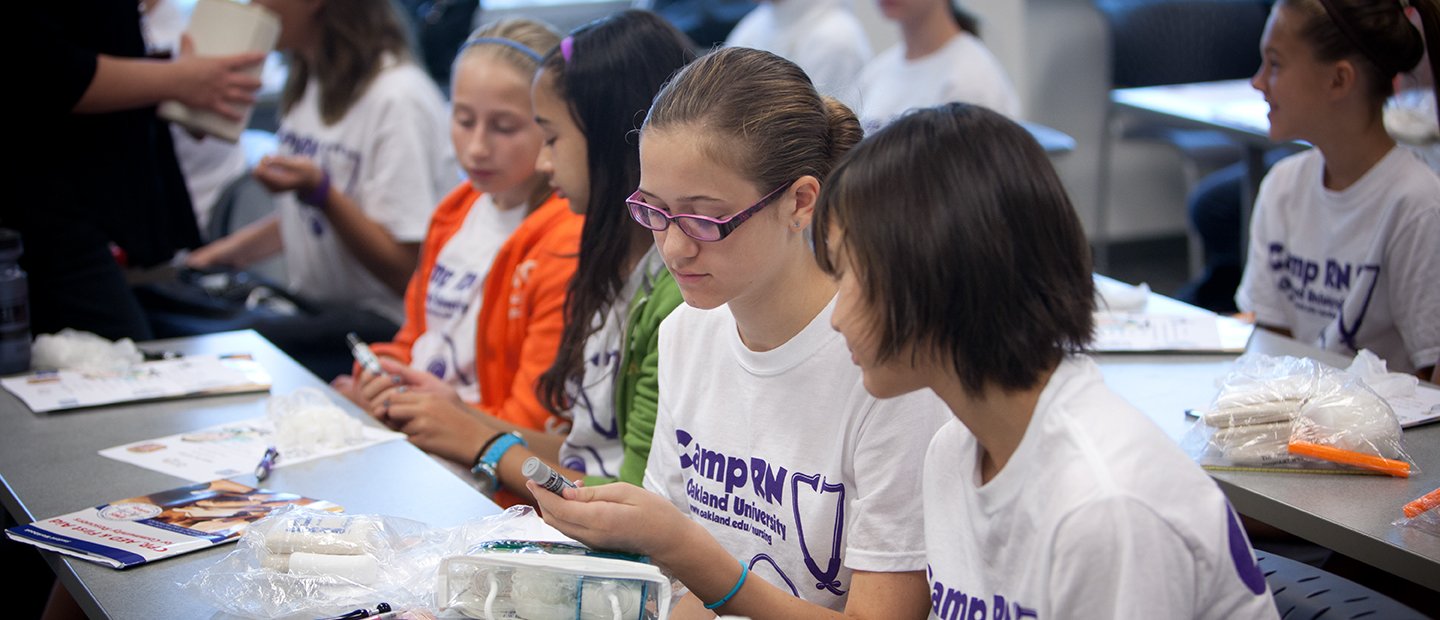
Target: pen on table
[363,614]
[267,463]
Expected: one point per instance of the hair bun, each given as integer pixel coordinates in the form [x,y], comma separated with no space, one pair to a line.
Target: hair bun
[845,130]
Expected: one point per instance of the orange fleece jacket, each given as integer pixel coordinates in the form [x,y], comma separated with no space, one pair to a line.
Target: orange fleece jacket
[523,304]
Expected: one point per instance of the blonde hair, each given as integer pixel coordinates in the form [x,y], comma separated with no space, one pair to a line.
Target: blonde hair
[518,41]
[354,38]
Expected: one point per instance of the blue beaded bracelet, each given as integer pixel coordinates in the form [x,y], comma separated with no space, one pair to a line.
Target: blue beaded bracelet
[744,572]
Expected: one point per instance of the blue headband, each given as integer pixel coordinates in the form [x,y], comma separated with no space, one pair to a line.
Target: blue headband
[514,45]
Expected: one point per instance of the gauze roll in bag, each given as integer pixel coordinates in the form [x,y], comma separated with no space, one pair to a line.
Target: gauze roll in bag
[1295,413]
[302,562]
[544,581]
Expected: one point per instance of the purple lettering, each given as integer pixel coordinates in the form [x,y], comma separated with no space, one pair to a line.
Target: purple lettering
[977,609]
[734,474]
[1002,612]
[710,464]
[1337,276]
[768,483]
[954,606]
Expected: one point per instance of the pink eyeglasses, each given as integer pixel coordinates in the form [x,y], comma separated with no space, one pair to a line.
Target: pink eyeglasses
[697,227]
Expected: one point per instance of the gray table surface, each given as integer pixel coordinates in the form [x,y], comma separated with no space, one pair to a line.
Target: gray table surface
[49,466]
[1349,514]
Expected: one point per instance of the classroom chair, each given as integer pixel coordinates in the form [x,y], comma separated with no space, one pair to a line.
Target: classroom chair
[1303,592]
[1160,42]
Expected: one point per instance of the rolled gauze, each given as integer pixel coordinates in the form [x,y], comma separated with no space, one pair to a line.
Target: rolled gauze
[362,569]
[328,534]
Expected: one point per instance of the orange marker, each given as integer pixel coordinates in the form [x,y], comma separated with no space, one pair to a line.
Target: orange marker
[1399,469]
[1428,501]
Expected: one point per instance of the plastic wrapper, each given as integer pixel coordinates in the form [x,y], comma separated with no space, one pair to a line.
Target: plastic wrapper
[1296,413]
[301,563]
[305,562]
[551,581]
[71,349]
[1423,514]
[1120,297]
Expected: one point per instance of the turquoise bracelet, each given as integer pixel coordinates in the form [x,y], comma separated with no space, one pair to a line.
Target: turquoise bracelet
[744,572]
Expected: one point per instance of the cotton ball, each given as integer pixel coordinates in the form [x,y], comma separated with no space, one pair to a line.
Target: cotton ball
[71,349]
[306,419]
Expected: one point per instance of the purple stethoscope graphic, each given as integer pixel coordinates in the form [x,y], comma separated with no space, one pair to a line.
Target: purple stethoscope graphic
[828,578]
[1347,334]
[765,557]
[582,399]
[437,366]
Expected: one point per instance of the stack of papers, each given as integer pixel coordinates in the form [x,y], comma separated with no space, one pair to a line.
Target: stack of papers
[1137,332]
[202,375]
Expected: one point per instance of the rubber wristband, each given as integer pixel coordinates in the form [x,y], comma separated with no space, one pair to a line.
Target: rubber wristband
[483,447]
[320,195]
[744,572]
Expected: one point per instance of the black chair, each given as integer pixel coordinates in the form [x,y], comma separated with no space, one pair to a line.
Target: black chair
[1160,42]
[1303,592]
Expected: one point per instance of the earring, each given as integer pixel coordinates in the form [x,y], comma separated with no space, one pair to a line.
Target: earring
[794,224]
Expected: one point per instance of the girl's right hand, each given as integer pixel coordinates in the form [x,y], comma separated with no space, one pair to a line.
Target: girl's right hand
[617,517]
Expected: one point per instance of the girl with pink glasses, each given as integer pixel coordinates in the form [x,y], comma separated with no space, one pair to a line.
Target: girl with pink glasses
[776,486]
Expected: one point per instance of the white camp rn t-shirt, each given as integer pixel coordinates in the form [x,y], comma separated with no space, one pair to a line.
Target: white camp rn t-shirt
[594,446]
[391,155]
[783,456]
[1354,269]
[1098,514]
[453,296]
[962,70]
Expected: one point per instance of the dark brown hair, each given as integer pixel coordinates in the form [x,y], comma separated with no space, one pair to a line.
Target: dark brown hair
[354,37]
[616,66]
[964,243]
[761,116]
[1374,33]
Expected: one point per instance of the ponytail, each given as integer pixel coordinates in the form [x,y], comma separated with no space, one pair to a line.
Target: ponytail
[1376,34]
[845,129]
[966,20]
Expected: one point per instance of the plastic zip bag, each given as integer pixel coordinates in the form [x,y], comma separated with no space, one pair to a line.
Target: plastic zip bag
[1295,413]
[550,586]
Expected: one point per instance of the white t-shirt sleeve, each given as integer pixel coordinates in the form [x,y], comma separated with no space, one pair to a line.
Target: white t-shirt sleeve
[401,187]
[1116,558]
[1413,255]
[888,533]
[1258,292]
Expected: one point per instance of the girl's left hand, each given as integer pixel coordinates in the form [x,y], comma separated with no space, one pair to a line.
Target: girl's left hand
[617,517]
[283,173]
[437,423]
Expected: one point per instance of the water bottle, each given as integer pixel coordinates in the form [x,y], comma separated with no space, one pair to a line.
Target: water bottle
[14,306]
